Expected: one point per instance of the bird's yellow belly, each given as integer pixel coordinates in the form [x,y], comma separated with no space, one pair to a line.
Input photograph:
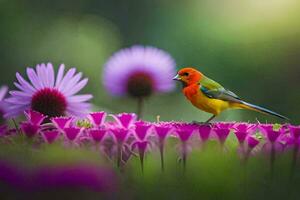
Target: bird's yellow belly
[214,106]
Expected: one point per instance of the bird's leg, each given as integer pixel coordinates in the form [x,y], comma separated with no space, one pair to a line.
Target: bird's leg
[211,118]
[205,123]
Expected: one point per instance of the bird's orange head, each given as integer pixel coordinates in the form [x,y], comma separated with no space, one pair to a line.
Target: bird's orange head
[188,76]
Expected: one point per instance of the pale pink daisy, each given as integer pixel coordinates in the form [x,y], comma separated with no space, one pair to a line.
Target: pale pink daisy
[49,95]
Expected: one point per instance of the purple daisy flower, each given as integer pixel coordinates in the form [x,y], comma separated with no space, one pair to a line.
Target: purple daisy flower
[3,92]
[139,72]
[47,94]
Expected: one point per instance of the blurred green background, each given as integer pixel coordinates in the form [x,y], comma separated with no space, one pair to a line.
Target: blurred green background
[251,47]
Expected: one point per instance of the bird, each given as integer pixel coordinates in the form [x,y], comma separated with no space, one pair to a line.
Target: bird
[210,96]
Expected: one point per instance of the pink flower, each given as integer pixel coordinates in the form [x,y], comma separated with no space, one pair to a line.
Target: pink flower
[252,142]
[34,117]
[50,135]
[29,129]
[97,134]
[142,130]
[222,134]
[125,120]
[162,131]
[62,122]
[204,132]
[97,118]
[71,133]
[120,134]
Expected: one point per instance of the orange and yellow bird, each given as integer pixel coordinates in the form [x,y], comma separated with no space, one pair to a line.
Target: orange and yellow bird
[209,96]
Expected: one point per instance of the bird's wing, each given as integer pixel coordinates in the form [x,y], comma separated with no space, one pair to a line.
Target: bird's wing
[214,90]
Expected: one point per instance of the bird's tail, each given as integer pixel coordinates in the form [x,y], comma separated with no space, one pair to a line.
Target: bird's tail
[250,106]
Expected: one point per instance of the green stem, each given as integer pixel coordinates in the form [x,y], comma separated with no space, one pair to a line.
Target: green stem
[141,154]
[184,155]
[294,161]
[140,107]
[119,155]
[161,150]
[16,126]
[272,160]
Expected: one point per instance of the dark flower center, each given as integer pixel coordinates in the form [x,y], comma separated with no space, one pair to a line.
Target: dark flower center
[140,85]
[50,102]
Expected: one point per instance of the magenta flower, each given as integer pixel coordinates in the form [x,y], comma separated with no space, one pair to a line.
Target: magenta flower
[224,125]
[71,133]
[82,176]
[62,122]
[222,134]
[34,117]
[139,72]
[295,131]
[3,104]
[252,142]
[50,135]
[97,134]
[204,132]
[294,141]
[13,176]
[264,127]
[185,131]
[29,129]
[142,130]
[241,136]
[162,131]
[125,120]
[97,118]
[3,130]
[141,146]
[244,127]
[271,134]
[273,142]
[48,95]
[241,130]
[120,135]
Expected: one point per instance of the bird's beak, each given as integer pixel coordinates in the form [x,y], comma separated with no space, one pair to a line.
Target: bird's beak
[177,78]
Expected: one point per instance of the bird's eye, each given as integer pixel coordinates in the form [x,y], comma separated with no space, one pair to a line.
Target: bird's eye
[185,74]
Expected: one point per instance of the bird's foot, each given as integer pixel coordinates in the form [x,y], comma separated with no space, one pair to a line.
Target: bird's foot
[202,123]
